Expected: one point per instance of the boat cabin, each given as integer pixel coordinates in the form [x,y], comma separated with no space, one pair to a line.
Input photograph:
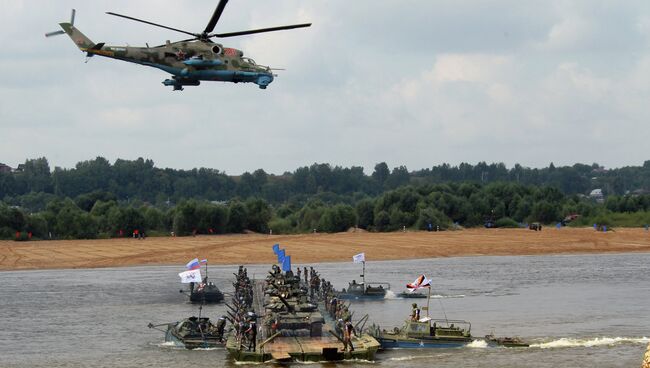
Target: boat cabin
[427,327]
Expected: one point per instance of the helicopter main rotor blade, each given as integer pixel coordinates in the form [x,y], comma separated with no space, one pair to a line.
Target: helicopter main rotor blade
[215,16]
[152,24]
[261,30]
[55,33]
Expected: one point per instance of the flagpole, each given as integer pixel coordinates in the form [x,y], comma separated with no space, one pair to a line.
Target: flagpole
[428,300]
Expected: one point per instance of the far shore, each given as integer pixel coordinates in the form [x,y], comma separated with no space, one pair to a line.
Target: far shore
[312,248]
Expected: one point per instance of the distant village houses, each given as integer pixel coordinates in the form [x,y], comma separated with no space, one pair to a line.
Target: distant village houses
[597,195]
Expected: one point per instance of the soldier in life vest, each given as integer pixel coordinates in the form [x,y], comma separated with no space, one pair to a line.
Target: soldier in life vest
[348,332]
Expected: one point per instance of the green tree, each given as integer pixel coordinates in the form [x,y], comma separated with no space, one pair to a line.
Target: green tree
[338,218]
[365,213]
[259,215]
[237,217]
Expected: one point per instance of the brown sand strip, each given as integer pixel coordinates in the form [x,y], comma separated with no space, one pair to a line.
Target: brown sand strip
[309,248]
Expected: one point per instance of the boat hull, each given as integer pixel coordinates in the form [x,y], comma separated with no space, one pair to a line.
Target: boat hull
[410,343]
[208,295]
[361,296]
[192,342]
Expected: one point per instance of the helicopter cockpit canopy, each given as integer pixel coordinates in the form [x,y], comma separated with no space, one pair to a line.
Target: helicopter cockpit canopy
[249,60]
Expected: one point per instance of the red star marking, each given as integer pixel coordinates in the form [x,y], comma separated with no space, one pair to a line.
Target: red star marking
[180,55]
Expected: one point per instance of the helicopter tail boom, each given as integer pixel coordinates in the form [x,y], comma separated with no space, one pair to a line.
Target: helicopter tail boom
[83,43]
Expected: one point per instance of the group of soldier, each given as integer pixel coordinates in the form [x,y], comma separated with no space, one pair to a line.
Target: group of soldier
[340,313]
[244,319]
[286,285]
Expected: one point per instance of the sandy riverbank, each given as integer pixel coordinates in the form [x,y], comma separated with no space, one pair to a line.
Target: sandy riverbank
[309,248]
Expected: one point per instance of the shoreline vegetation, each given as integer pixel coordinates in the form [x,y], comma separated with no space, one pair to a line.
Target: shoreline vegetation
[318,247]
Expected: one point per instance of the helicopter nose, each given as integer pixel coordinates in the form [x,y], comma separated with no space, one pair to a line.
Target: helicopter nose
[264,80]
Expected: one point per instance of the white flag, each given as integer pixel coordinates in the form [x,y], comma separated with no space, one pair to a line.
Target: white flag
[359,258]
[190,276]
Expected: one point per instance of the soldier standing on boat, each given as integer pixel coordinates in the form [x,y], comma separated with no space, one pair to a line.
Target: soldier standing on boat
[348,332]
[415,313]
[252,335]
[221,327]
[333,304]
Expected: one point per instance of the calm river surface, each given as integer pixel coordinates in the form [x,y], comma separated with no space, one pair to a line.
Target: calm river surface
[579,311]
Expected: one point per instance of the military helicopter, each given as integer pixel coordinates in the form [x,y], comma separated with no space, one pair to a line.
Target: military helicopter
[190,61]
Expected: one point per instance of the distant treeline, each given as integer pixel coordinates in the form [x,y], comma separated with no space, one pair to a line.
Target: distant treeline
[97,199]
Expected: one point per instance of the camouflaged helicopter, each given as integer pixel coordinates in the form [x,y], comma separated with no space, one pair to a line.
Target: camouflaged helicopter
[190,61]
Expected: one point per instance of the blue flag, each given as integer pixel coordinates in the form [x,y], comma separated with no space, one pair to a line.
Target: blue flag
[286,264]
[280,256]
[276,248]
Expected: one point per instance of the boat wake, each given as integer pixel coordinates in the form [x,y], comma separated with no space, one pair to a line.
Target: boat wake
[169,345]
[437,296]
[478,344]
[598,341]
[390,295]
[410,357]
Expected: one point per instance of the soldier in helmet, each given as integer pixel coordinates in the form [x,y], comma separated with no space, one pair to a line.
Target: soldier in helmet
[415,313]
[251,333]
[221,326]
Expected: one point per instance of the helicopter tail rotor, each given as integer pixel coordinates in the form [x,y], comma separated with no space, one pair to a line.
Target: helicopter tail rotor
[60,32]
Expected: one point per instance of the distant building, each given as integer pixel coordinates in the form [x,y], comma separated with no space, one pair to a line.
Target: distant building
[639,192]
[597,195]
[5,168]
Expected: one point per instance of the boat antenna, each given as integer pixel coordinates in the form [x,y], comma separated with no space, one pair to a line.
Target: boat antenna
[443,311]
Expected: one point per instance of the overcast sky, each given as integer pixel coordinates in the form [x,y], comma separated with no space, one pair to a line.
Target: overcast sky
[415,83]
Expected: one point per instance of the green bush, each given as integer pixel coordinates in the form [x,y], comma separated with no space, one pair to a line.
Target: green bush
[281,226]
[507,222]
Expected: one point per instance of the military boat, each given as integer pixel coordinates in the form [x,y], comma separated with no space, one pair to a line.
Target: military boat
[509,342]
[364,290]
[294,329]
[204,292]
[425,333]
[411,295]
[194,332]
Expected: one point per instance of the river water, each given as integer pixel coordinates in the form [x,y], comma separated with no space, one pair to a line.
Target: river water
[577,310]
